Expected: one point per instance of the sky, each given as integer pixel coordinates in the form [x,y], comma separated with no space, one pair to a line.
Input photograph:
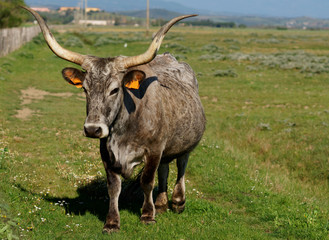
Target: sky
[279,8]
[271,8]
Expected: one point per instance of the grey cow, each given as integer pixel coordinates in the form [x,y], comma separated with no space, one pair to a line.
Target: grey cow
[144,109]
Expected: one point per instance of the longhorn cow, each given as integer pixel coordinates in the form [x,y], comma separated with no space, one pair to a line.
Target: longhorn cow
[144,109]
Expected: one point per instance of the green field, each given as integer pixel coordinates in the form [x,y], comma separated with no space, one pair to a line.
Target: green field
[261,170]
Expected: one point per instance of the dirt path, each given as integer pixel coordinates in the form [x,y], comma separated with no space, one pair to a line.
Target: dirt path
[32,95]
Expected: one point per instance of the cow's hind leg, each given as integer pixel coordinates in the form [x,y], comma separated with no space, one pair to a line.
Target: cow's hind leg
[178,197]
[161,203]
[147,184]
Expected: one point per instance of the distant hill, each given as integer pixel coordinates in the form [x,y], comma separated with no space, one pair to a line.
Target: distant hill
[154,13]
[250,21]
[167,10]
[117,5]
[257,21]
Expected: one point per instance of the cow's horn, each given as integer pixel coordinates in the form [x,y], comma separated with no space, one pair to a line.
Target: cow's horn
[151,52]
[53,44]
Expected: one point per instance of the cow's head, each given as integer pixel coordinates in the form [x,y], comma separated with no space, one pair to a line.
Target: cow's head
[103,79]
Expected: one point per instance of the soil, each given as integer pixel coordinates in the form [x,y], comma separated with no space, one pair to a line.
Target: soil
[24,113]
[31,95]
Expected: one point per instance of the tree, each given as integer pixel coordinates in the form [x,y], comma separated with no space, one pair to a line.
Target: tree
[10,13]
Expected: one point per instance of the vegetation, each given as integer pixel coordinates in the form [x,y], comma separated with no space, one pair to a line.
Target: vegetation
[210,23]
[260,171]
[274,22]
[56,17]
[10,14]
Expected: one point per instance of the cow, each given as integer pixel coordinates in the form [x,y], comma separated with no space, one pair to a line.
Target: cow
[143,109]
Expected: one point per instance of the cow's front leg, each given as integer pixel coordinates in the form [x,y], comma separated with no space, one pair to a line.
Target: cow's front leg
[112,223]
[147,184]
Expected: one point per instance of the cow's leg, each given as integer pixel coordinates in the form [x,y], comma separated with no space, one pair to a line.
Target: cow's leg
[112,223]
[161,203]
[178,197]
[114,188]
[147,184]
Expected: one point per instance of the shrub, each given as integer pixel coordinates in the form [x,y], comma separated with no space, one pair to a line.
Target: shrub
[226,73]
[251,68]
[26,55]
[234,47]
[38,39]
[231,40]
[264,127]
[298,60]
[212,57]
[264,41]
[73,42]
[102,41]
[178,48]
[210,48]
[238,56]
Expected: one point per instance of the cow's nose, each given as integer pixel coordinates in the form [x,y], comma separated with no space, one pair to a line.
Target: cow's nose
[96,130]
[93,131]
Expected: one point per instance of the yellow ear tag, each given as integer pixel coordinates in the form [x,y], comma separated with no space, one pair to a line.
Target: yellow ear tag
[134,84]
[77,82]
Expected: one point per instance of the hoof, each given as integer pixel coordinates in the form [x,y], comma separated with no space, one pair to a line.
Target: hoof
[148,220]
[161,203]
[110,229]
[161,209]
[178,207]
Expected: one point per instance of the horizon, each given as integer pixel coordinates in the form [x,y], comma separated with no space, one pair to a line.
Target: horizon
[267,8]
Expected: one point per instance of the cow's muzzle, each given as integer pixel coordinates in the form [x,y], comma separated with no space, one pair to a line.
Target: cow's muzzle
[99,130]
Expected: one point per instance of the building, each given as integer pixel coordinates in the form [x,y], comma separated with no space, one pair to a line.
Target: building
[41,9]
[64,9]
[93,22]
[93,9]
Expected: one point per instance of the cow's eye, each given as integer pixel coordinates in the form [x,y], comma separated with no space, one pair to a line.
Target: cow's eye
[114,91]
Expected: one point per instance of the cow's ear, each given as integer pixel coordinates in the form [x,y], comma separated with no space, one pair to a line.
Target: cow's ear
[73,76]
[133,79]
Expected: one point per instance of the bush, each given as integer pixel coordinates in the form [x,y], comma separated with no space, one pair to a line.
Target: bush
[231,40]
[73,42]
[210,48]
[234,47]
[212,57]
[38,40]
[178,48]
[102,41]
[297,60]
[226,73]
[238,56]
[264,41]
[10,14]
[26,55]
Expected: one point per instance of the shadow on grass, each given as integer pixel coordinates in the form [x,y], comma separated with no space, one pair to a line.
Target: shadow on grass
[93,198]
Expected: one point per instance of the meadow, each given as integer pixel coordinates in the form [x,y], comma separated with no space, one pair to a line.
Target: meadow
[261,170]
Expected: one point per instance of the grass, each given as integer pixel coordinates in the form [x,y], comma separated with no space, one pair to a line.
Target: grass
[261,170]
